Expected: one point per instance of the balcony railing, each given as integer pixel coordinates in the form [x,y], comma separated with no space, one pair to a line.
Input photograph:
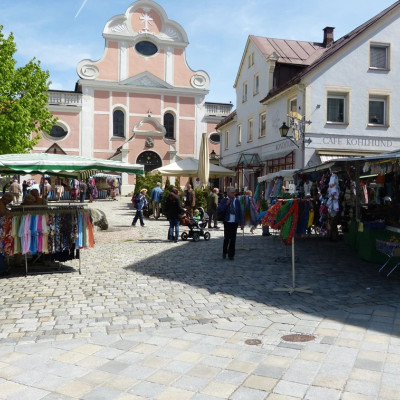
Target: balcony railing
[218,109]
[65,98]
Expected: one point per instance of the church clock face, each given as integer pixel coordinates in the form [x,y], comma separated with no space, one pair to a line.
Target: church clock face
[150,160]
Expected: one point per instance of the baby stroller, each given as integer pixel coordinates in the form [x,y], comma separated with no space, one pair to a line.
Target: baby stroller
[196,227]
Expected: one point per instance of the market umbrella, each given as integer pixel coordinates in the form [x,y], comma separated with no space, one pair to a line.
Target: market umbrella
[63,165]
[204,162]
[189,167]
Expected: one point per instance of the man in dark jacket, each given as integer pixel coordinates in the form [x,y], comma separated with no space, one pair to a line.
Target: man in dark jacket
[233,217]
[174,212]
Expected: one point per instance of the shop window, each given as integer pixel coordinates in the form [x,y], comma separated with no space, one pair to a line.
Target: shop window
[169,125]
[118,123]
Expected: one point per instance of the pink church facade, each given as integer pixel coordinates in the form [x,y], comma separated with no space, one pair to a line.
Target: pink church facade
[141,102]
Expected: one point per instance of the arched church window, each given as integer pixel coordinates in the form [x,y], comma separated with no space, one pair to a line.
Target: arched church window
[169,125]
[118,123]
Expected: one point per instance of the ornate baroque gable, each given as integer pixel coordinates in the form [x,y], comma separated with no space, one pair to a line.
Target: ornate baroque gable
[144,39]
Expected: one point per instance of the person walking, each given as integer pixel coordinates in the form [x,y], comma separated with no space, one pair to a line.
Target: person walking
[190,199]
[155,196]
[212,205]
[82,191]
[15,190]
[174,212]
[140,204]
[232,214]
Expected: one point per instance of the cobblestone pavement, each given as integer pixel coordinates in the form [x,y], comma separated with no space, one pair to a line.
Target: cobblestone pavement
[150,319]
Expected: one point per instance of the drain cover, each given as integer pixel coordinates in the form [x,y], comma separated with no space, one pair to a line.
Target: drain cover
[298,338]
[253,342]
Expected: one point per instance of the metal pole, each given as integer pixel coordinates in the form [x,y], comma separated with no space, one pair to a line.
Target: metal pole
[293,267]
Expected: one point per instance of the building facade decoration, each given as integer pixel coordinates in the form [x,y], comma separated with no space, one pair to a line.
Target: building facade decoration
[143,68]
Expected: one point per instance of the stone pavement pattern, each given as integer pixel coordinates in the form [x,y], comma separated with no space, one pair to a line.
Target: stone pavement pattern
[149,319]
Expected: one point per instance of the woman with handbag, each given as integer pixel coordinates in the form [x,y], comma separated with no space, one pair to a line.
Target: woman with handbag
[174,212]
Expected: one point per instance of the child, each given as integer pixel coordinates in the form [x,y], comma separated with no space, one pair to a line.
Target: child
[196,215]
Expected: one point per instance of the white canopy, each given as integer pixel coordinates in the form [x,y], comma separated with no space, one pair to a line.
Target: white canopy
[189,167]
[285,173]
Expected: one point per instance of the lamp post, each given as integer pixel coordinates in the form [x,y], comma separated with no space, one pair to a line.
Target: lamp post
[298,124]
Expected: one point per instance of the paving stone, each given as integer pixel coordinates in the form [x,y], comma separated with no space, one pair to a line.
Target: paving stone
[132,317]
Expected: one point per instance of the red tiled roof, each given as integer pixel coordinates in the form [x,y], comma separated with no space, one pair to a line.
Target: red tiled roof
[289,51]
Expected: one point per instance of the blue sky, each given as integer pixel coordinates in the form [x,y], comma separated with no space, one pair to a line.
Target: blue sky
[60,33]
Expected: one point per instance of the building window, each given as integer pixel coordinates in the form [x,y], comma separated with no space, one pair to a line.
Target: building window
[244,97]
[57,132]
[278,164]
[256,87]
[293,105]
[118,123]
[146,48]
[226,140]
[377,113]
[215,138]
[262,125]
[239,135]
[250,130]
[251,59]
[336,108]
[169,125]
[379,56]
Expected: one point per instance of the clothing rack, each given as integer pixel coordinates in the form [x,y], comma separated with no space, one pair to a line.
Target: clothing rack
[48,209]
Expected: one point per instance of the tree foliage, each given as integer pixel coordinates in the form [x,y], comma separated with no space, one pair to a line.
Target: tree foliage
[23,100]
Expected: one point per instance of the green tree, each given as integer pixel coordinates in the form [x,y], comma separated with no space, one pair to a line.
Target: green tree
[23,101]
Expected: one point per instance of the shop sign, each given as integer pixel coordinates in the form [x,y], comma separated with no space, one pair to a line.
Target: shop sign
[358,142]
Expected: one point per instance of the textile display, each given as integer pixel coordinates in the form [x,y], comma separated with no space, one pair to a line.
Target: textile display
[249,209]
[56,232]
[290,216]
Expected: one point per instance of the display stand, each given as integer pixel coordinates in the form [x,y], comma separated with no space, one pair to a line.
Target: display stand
[392,251]
[242,247]
[293,288]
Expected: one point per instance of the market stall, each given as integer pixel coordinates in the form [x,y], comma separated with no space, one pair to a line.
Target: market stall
[53,230]
[361,196]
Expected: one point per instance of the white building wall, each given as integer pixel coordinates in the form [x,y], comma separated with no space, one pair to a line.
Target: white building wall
[350,71]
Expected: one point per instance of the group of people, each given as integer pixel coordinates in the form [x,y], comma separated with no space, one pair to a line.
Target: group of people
[226,209]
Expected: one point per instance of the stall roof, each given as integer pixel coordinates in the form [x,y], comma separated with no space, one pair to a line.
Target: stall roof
[337,162]
[64,165]
[285,173]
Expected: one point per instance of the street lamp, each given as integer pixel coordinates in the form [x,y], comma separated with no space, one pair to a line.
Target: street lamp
[297,123]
